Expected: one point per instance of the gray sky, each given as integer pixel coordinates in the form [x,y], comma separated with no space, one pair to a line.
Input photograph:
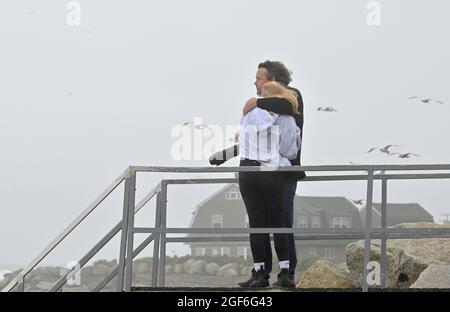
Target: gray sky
[80,104]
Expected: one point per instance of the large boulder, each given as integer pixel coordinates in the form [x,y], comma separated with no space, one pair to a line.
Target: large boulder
[197,267]
[324,274]
[434,276]
[212,268]
[230,273]
[187,265]
[226,267]
[406,258]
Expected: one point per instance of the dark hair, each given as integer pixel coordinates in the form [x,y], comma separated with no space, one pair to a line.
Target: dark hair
[277,71]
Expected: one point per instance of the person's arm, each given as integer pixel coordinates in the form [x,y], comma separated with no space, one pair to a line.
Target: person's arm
[222,156]
[279,106]
[276,105]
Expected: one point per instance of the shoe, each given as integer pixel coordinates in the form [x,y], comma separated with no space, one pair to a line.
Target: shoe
[260,281]
[247,283]
[284,280]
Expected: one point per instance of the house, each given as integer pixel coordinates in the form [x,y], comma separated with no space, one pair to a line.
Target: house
[398,213]
[225,209]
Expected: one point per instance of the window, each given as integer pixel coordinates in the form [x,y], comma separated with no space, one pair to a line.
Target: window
[216,221]
[313,252]
[247,223]
[329,253]
[341,222]
[242,252]
[199,251]
[316,222]
[302,221]
[233,194]
[225,251]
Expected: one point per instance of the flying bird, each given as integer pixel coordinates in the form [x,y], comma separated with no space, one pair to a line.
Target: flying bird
[406,155]
[200,126]
[383,149]
[425,100]
[357,201]
[326,109]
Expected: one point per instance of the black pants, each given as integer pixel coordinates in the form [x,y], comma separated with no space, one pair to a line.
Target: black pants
[263,195]
[288,218]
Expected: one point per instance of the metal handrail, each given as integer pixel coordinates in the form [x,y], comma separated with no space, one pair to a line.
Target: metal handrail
[63,279]
[159,233]
[66,231]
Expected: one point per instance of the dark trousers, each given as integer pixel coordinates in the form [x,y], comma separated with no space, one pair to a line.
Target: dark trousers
[263,195]
[290,187]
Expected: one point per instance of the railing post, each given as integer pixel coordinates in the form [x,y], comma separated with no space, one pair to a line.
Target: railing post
[368,228]
[123,237]
[130,230]
[156,241]
[163,225]
[383,265]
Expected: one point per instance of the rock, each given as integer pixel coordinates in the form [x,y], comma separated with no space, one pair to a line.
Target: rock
[178,268]
[343,266]
[142,267]
[100,270]
[168,269]
[198,267]
[434,276]
[187,265]
[406,258]
[212,268]
[324,274]
[230,273]
[44,286]
[226,267]
[87,271]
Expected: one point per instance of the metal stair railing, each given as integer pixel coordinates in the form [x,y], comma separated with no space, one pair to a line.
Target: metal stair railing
[158,234]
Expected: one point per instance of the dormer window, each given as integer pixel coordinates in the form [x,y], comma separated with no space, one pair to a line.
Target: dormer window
[232,194]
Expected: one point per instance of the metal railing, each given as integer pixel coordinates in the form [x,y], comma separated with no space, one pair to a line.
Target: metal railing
[158,234]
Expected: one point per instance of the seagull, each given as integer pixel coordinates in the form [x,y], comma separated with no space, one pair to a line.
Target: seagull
[425,100]
[383,149]
[406,155]
[200,126]
[358,201]
[380,172]
[326,109]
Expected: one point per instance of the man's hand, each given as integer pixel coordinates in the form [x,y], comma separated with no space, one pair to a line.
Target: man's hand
[249,105]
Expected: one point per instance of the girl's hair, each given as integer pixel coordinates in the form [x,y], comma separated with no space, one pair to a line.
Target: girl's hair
[276,89]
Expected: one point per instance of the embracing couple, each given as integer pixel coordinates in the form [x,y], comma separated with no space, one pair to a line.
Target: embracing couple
[270,135]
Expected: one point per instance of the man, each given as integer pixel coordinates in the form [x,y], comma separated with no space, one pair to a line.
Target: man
[274,71]
[263,192]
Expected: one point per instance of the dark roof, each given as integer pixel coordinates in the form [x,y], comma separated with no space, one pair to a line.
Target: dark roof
[411,210]
[330,205]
